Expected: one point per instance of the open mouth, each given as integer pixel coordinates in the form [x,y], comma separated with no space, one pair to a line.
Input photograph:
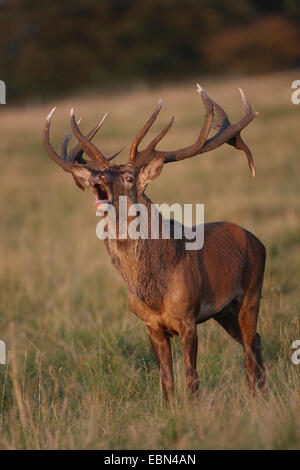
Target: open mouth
[102,196]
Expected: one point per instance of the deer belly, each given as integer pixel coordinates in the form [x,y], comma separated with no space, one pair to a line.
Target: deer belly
[206,311]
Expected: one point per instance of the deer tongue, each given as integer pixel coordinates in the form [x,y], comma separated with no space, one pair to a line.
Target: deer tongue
[100,202]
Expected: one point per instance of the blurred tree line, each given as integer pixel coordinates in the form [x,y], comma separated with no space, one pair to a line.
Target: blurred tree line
[58,46]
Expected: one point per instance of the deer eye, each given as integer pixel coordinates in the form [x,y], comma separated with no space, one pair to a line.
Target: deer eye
[129,179]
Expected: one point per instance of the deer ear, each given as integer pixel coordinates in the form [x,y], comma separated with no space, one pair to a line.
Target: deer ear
[149,172]
[81,177]
[80,186]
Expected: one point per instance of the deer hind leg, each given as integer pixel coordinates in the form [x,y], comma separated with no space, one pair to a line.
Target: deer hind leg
[239,320]
[260,368]
[161,345]
[189,342]
[228,319]
[252,344]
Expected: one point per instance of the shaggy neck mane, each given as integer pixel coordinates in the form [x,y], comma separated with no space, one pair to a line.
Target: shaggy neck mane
[146,264]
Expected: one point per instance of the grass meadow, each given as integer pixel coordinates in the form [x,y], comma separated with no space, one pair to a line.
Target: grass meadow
[81,373]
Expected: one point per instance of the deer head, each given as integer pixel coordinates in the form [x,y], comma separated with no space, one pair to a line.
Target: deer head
[108,181]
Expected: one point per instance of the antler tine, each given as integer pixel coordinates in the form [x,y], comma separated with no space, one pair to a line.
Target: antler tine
[144,156]
[65,143]
[68,160]
[228,130]
[90,149]
[237,141]
[241,145]
[230,133]
[158,138]
[66,165]
[114,155]
[143,132]
[195,148]
[77,151]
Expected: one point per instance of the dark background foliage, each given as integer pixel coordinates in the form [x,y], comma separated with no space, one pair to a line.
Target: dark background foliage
[56,47]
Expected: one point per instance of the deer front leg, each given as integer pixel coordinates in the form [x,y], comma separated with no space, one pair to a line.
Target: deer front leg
[189,342]
[161,345]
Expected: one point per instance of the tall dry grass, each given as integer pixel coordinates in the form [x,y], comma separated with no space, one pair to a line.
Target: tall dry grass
[81,373]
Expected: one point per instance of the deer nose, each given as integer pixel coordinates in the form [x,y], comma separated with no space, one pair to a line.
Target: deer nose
[99,178]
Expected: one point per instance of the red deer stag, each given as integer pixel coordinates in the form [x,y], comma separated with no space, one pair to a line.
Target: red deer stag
[169,288]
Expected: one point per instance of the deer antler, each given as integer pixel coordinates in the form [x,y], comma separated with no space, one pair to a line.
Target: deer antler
[74,157]
[76,153]
[228,133]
